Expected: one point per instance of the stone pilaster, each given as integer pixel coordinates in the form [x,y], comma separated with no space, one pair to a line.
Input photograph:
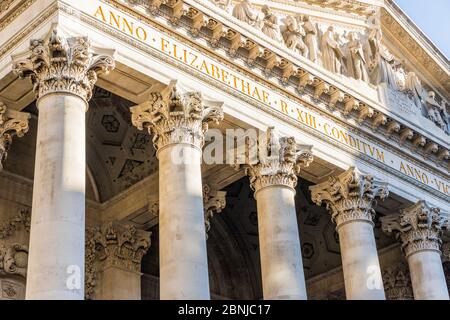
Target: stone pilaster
[273,178]
[12,123]
[419,229]
[350,199]
[114,253]
[177,120]
[397,282]
[63,71]
[213,202]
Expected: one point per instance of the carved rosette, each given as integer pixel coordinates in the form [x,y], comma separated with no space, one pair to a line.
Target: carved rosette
[419,227]
[113,245]
[397,283]
[280,161]
[13,259]
[213,202]
[12,123]
[174,116]
[350,196]
[58,64]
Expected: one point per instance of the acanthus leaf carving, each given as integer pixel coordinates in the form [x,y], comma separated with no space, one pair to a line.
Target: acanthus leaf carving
[60,64]
[419,227]
[280,161]
[350,196]
[213,202]
[174,116]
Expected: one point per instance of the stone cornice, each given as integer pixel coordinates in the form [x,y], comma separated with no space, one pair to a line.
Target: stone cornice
[406,32]
[281,63]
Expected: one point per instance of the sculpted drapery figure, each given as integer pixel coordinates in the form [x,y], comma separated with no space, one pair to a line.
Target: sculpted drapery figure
[310,38]
[293,33]
[331,53]
[414,87]
[435,111]
[270,24]
[356,63]
[242,11]
[382,68]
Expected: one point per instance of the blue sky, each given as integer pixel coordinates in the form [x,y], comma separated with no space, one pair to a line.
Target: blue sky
[433,18]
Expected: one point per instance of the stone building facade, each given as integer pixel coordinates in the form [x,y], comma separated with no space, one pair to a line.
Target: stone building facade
[222,149]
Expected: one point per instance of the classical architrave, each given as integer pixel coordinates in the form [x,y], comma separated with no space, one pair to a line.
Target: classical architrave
[350,196]
[419,227]
[58,64]
[174,117]
[397,282]
[213,202]
[280,160]
[113,245]
[12,123]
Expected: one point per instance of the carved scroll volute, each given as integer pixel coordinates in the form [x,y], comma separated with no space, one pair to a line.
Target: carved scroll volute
[350,196]
[59,64]
[12,123]
[280,161]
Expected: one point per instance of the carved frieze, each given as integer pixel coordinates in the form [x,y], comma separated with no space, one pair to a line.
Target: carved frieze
[419,227]
[13,259]
[21,220]
[350,196]
[280,161]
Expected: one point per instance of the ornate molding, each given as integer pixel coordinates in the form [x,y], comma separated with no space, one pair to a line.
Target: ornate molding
[8,227]
[4,5]
[58,64]
[13,259]
[12,123]
[213,202]
[176,116]
[113,245]
[350,196]
[280,161]
[397,282]
[419,227]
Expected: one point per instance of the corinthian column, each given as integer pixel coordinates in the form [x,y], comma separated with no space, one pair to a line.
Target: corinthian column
[114,253]
[178,120]
[12,123]
[350,199]
[63,72]
[419,229]
[273,178]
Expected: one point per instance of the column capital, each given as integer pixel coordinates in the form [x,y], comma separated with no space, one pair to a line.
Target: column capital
[176,116]
[280,161]
[397,282]
[213,202]
[59,64]
[113,244]
[350,196]
[419,227]
[12,123]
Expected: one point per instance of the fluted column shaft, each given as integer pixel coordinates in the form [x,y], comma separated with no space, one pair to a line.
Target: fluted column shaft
[360,262]
[63,72]
[349,198]
[274,180]
[58,212]
[183,258]
[419,228]
[178,120]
